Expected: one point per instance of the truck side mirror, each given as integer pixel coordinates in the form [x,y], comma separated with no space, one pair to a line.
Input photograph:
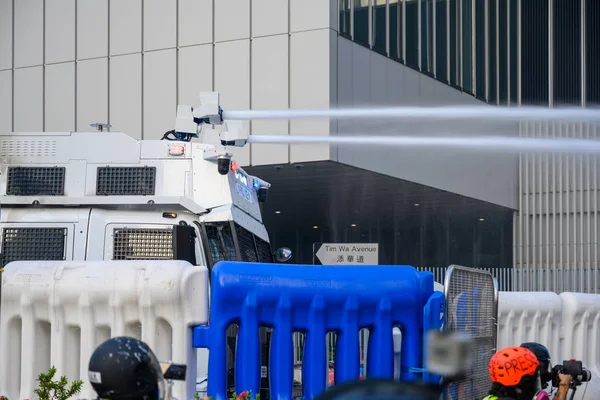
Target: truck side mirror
[184,243]
[282,254]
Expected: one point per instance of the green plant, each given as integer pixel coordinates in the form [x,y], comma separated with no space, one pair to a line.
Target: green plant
[56,390]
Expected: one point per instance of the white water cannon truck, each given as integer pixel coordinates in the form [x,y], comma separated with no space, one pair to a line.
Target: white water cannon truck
[106,196]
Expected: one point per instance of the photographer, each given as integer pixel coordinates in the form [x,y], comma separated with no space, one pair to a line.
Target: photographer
[125,368]
[515,375]
[543,356]
[549,374]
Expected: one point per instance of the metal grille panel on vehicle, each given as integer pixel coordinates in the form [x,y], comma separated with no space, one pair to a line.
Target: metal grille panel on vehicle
[29,244]
[246,243]
[472,308]
[142,244]
[35,181]
[126,181]
[264,250]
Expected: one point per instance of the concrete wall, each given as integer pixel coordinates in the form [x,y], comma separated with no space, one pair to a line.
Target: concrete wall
[366,78]
[129,63]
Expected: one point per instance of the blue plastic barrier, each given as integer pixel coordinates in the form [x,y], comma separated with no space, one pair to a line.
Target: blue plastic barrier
[314,300]
[434,317]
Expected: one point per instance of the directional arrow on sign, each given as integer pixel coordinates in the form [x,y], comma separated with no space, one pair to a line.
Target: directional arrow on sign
[346,253]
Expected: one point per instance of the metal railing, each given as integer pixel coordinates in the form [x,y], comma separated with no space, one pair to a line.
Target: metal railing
[504,276]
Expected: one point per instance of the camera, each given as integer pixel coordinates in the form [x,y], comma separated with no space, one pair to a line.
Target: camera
[449,354]
[173,372]
[223,164]
[572,367]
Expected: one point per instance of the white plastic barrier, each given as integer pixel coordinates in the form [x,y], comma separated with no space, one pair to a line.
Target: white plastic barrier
[57,313]
[529,317]
[567,324]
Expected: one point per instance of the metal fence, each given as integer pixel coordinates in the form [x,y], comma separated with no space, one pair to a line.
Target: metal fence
[580,279]
[472,307]
[504,276]
[541,279]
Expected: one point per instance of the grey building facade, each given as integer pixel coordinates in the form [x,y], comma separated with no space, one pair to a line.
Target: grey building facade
[530,218]
[67,64]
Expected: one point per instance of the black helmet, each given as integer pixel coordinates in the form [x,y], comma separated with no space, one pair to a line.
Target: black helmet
[124,368]
[543,356]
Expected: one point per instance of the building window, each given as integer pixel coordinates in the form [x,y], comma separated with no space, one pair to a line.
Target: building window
[361,22]
[427,36]
[345,17]
[492,48]
[534,52]
[378,18]
[514,51]
[454,42]
[441,67]
[567,52]
[412,33]
[467,46]
[592,59]
[503,51]
[480,70]
[396,23]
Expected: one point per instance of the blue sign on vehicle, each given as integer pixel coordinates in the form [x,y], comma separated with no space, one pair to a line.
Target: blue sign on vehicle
[244,192]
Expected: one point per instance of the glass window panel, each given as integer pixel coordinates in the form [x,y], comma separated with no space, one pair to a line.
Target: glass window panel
[379,26]
[396,29]
[461,239]
[592,40]
[467,45]
[440,41]
[567,52]
[488,243]
[454,35]
[427,36]
[361,22]
[480,71]
[493,59]
[435,252]
[412,33]
[534,52]
[408,241]
[345,17]
[514,52]
[503,50]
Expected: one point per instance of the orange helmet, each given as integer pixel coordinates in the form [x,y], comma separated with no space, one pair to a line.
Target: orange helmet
[510,364]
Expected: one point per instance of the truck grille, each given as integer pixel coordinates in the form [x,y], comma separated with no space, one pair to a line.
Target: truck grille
[36,181]
[126,181]
[33,244]
[142,244]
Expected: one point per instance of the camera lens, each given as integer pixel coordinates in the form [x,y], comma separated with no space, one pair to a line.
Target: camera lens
[586,375]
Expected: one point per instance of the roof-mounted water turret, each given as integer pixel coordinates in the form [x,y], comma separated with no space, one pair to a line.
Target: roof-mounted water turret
[112,169]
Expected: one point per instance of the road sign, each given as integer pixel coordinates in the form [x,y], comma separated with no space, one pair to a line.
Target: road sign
[346,253]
